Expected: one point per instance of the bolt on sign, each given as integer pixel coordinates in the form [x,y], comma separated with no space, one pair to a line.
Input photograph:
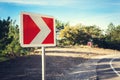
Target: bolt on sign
[37,30]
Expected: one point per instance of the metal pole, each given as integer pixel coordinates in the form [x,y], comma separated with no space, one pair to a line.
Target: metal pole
[43,64]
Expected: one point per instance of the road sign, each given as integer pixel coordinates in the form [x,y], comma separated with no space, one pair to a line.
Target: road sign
[37,30]
[89,44]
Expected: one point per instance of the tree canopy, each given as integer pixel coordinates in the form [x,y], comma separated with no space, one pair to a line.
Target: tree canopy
[79,34]
[9,39]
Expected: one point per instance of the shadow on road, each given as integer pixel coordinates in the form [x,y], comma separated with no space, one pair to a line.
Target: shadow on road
[21,68]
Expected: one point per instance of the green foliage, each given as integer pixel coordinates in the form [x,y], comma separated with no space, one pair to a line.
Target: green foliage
[3,58]
[94,31]
[4,30]
[80,34]
[9,42]
[60,25]
[13,47]
[68,35]
[112,37]
[113,33]
[117,34]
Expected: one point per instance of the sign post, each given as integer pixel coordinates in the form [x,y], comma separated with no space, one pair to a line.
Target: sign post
[37,30]
[43,64]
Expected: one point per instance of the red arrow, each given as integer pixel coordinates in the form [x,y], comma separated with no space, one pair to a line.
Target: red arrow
[50,23]
[30,29]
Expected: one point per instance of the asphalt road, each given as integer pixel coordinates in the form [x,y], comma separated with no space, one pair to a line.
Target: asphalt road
[108,69]
[29,68]
[99,68]
[22,68]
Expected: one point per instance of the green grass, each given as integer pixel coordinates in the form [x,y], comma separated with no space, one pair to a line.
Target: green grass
[3,58]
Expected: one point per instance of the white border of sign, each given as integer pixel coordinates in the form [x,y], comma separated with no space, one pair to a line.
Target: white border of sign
[21,31]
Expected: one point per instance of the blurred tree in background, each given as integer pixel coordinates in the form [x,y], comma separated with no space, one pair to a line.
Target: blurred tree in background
[9,39]
[79,34]
[59,25]
[4,30]
[112,36]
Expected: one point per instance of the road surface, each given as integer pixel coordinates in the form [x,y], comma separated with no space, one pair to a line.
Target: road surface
[108,69]
[29,68]
[98,68]
[22,68]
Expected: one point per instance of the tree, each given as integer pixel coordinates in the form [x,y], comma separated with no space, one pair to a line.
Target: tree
[111,27]
[74,35]
[94,31]
[80,34]
[113,34]
[4,30]
[60,25]
[9,39]
[109,32]
[116,34]
[13,48]
[112,37]
[68,34]
[96,34]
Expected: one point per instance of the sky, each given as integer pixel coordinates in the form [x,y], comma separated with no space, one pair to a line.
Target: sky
[86,12]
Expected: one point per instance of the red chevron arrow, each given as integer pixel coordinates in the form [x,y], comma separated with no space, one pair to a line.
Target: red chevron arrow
[30,29]
[50,38]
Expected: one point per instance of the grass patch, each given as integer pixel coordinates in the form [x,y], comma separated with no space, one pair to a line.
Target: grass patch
[3,58]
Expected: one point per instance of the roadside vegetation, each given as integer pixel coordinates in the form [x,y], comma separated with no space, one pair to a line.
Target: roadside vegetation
[81,34]
[66,36]
[9,40]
